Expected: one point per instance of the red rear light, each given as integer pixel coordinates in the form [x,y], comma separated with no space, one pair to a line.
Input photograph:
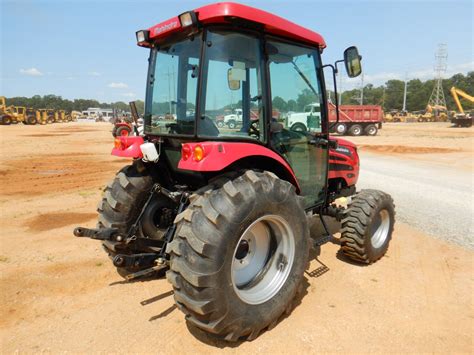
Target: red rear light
[185,151]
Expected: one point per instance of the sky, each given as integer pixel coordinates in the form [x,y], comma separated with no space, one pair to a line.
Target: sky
[87,49]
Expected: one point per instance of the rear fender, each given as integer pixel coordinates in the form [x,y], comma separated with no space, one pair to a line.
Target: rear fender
[218,156]
[128,147]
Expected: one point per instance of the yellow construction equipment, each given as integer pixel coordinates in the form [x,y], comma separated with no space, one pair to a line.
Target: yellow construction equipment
[7,115]
[400,116]
[462,119]
[436,113]
[75,115]
[43,116]
[26,115]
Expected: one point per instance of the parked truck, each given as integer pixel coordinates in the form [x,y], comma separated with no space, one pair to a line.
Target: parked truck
[357,120]
[354,120]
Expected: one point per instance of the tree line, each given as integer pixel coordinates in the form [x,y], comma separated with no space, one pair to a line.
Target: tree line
[58,103]
[389,96]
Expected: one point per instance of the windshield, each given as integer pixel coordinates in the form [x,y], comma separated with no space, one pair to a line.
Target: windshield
[171,95]
[230,89]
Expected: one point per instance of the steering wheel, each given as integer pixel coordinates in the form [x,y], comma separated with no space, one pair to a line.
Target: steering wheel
[254,129]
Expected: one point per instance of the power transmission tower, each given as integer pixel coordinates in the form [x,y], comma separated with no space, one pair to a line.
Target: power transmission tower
[437,96]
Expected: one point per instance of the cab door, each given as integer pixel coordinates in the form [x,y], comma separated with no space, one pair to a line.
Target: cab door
[294,86]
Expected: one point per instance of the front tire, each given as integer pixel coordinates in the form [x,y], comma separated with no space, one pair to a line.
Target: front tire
[239,255]
[368,226]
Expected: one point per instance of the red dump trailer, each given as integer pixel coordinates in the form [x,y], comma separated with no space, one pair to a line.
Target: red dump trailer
[357,120]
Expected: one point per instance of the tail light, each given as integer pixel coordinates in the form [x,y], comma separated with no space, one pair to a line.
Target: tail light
[185,151]
[198,153]
[118,143]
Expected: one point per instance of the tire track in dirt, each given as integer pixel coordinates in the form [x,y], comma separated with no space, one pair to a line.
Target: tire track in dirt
[47,221]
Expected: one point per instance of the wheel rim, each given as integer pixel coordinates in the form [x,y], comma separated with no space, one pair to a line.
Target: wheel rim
[380,229]
[357,131]
[262,259]
[371,130]
[124,133]
[341,128]
[299,128]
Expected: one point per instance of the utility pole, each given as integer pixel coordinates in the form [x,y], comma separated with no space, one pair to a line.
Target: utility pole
[362,90]
[405,94]
[437,96]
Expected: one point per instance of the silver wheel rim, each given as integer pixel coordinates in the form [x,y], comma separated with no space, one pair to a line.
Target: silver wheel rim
[262,259]
[341,128]
[380,229]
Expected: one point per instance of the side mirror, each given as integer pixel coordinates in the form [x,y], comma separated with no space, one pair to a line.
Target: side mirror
[352,61]
[231,82]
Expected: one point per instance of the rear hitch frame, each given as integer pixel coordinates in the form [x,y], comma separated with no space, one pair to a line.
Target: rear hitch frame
[111,234]
[135,260]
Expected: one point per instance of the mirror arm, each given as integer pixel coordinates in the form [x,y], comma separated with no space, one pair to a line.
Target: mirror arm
[335,65]
[334,71]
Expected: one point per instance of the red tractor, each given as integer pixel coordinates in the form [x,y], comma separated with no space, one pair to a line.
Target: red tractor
[122,129]
[225,211]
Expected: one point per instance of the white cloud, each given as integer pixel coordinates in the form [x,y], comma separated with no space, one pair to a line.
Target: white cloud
[118,85]
[129,94]
[31,72]
[94,73]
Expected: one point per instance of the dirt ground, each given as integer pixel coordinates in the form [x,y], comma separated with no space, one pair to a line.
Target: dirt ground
[59,293]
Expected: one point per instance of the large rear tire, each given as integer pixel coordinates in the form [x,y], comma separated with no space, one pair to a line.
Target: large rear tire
[121,204]
[368,226]
[239,254]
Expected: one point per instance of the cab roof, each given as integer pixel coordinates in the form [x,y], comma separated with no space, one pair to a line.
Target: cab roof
[226,12]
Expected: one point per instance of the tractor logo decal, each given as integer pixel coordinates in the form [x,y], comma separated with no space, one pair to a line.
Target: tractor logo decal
[165,28]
